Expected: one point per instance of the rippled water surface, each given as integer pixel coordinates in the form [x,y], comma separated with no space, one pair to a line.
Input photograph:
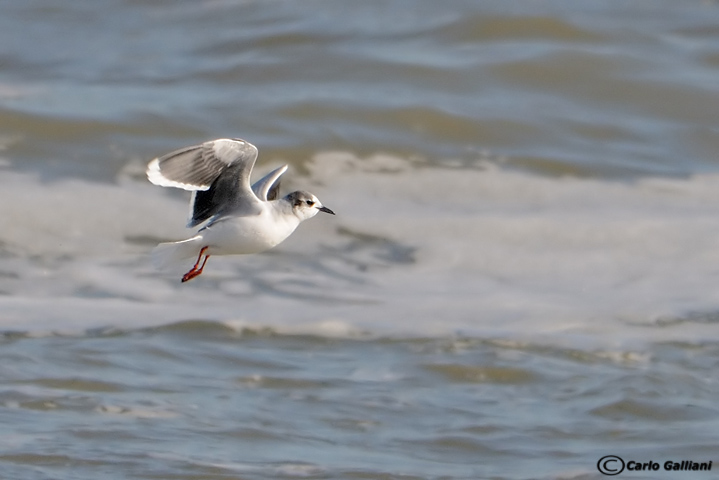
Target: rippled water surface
[520,278]
[199,400]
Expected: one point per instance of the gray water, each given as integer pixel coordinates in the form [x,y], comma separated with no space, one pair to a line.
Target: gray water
[520,278]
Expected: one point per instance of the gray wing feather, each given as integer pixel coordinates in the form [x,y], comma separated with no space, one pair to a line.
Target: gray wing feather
[197,167]
[268,187]
[218,172]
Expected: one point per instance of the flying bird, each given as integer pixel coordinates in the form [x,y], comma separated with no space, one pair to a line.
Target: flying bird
[241,219]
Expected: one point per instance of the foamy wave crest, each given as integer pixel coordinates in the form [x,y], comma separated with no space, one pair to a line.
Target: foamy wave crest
[413,250]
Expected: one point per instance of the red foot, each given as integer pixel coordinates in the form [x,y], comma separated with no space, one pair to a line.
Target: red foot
[194,271]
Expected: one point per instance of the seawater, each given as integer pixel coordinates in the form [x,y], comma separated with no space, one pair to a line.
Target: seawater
[519,281]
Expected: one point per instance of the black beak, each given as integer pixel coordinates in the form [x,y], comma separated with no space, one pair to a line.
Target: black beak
[326,210]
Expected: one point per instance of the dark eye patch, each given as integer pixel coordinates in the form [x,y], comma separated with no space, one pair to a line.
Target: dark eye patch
[310,202]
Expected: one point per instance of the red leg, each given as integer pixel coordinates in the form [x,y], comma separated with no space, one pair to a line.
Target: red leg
[199,257]
[203,264]
[194,271]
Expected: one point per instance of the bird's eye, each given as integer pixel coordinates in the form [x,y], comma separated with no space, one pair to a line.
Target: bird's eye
[310,202]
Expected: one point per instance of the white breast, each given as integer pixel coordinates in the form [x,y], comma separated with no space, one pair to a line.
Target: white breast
[245,235]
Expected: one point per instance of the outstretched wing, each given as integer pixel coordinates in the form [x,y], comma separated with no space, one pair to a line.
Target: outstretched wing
[218,172]
[197,167]
[268,187]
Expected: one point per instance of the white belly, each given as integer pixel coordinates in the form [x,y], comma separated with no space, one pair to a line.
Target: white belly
[244,235]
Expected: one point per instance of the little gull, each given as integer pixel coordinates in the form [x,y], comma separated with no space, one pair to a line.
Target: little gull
[241,219]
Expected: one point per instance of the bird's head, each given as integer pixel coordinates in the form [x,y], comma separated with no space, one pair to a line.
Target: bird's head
[305,205]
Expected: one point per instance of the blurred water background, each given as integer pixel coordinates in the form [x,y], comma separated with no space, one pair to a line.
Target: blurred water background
[522,276]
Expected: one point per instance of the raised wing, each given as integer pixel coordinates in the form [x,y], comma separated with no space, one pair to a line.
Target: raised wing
[268,187]
[197,167]
[218,172]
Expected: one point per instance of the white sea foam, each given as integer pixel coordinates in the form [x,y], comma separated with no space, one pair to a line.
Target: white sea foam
[413,250]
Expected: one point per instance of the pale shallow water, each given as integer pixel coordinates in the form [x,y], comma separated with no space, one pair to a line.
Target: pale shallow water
[520,279]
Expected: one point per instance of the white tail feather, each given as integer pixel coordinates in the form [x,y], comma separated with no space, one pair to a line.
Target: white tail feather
[169,256]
